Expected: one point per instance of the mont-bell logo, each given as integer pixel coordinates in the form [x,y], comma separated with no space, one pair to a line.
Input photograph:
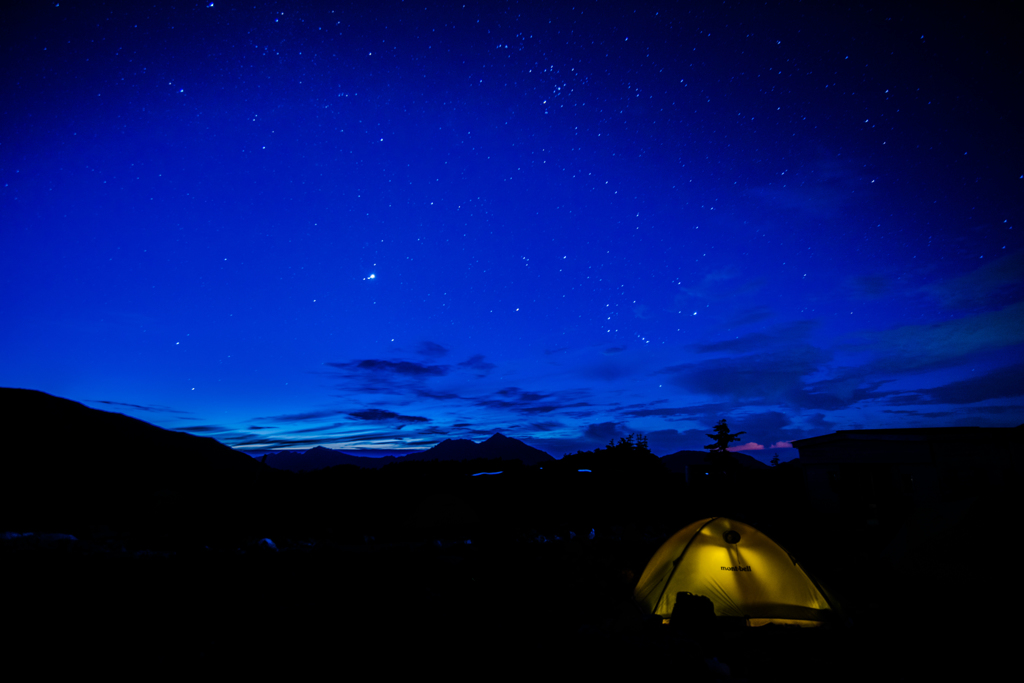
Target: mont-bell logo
[736,569]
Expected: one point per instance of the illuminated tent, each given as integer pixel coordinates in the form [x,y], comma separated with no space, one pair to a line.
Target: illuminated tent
[742,571]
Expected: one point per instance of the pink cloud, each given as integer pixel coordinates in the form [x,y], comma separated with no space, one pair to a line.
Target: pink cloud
[749,446]
[781,444]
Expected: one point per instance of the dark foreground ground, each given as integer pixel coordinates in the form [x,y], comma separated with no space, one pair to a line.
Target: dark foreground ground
[479,609]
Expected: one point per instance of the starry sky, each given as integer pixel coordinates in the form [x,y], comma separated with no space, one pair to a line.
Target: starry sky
[374,226]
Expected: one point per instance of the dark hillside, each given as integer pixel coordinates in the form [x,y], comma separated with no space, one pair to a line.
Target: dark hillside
[73,435]
[67,467]
[677,462]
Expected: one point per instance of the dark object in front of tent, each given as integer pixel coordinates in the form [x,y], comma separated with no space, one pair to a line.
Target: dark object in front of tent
[692,613]
[731,536]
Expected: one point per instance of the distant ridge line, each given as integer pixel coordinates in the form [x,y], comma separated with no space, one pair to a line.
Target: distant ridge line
[497,447]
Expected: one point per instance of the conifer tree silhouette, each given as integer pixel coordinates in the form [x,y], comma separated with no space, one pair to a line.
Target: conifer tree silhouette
[719,457]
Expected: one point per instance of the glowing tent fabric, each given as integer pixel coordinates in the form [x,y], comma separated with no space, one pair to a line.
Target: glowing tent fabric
[742,571]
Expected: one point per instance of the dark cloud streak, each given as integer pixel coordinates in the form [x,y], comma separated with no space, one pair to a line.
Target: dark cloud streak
[377,415]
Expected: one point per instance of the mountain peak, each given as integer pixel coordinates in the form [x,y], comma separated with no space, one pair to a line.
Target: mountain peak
[498,437]
[497,447]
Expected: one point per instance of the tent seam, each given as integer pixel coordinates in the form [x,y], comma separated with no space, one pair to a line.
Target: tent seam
[679,560]
[812,579]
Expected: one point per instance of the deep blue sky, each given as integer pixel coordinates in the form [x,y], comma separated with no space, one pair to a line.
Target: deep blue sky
[385,224]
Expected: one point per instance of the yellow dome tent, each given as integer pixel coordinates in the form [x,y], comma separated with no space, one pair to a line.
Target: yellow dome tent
[742,571]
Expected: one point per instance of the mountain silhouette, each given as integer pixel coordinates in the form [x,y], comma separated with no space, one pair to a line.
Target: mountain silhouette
[318,458]
[497,447]
[678,461]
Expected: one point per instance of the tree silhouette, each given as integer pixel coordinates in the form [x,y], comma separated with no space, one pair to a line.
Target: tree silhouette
[630,455]
[719,457]
[629,445]
[722,438]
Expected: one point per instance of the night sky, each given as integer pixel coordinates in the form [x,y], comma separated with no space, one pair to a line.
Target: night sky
[375,226]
